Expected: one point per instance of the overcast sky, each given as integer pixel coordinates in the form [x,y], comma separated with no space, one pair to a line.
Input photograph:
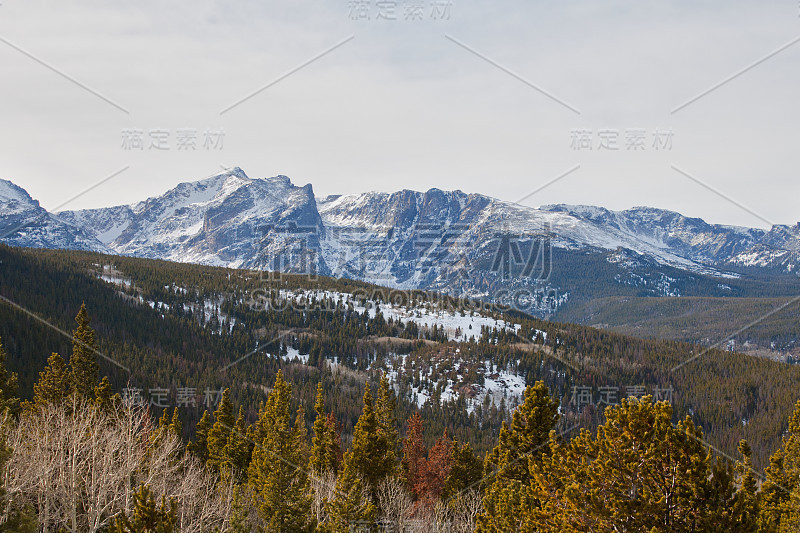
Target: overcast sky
[496,97]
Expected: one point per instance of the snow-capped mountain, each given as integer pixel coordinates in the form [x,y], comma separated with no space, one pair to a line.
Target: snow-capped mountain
[691,238]
[457,243]
[23,222]
[227,219]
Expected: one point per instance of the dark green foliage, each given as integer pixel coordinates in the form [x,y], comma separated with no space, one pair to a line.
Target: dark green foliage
[220,432]
[466,471]
[147,517]
[83,362]
[780,492]
[172,345]
[507,467]
[639,473]
[53,384]
[324,444]
[199,446]
[277,474]
[105,397]
[8,385]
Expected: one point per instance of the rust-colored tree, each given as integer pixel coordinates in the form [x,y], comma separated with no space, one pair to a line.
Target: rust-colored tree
[437,468]
[413,461]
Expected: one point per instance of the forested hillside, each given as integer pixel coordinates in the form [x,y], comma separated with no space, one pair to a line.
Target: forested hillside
[773,322]
[403,405]
[80,458]
[193,330]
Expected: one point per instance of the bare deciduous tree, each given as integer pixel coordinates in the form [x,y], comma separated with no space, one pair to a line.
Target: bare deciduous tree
[395,504]
[79,466]
[463,511]
[323,489]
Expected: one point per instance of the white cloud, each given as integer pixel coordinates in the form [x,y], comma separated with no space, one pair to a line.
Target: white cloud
[401,106]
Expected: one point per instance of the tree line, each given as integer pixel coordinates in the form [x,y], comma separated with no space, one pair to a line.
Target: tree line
[77,458]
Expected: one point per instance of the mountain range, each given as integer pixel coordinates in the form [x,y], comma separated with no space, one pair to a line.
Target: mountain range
[536,259]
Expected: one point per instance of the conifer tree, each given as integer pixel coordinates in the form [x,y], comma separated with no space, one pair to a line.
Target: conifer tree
[367,454]
[639,473]
[199,446]
[413,463]
[219,433]
[147,517]
[466,471]
[8,385]
[83,362]
[278,481]
[335,429]
[352,503]
[239,448]
[53,384]
[104,396]
[243,518]
[300,435]
[507,496]
[437,468]
[175,424]
[170,424]
[780,492]
[745,507]
[324,452]
[388,436]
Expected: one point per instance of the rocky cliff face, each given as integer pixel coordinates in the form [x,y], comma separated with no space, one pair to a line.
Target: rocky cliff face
[458,243]
[23,222]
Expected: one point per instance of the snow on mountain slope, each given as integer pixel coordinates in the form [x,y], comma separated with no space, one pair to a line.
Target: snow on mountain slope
[691,238]
[220,220]
[107,223]
[12,193]
[460,244]
[23,222]
[389,222]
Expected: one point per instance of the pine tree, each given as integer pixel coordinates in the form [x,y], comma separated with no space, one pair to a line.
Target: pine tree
[53,384]
[8,385]
[277,479]
[242,517]
[300,436]
[85,370]
[335,429]
[530,428]
[437,468]
[146,516]
[219,433]
[239,448]
[199,446]
[780,492]
[367,454]
[507,497]
[638,473]
[361,472]
[175,424]
[104,396]
[388,436]
[466,471]
[170,424]
[324,448]
[745,506]
[413,463]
